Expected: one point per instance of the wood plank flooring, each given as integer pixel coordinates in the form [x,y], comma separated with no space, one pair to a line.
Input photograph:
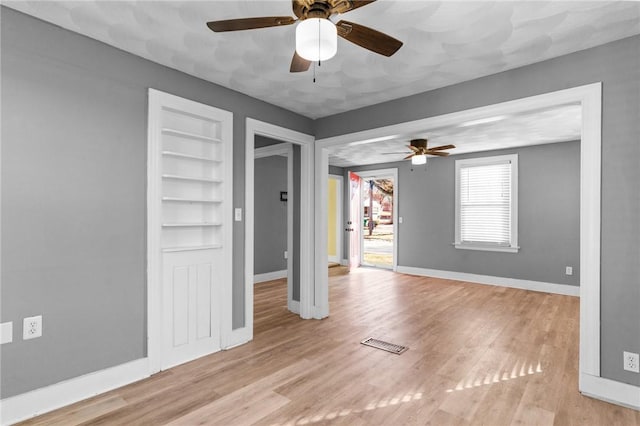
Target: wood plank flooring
[477,355]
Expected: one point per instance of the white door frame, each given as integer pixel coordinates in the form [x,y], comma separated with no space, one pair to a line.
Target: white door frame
[255,127]
[392,172]
[590,99]
[285,150]
[339,218]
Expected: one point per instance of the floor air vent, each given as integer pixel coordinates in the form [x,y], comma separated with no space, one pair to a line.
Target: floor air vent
[385,346]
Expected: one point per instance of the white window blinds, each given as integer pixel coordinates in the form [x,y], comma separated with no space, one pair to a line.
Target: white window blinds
[485,203]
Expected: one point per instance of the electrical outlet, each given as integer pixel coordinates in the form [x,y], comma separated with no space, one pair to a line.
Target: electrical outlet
[631,362]
[569,270]
[32,327]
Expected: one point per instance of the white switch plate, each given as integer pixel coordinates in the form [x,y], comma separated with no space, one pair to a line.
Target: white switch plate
[32,327]
[6,332]
[400,219]
[286,255]
[238,214]
[569,270]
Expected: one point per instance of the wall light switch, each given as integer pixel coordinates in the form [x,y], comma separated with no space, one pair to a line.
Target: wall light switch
[6,332]
[569,270]
[400,219]
[238,214]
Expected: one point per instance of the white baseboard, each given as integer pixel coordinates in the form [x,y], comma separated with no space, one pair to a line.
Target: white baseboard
[333,259]
[294,306]
[237,337]
[610,391]
[567,290]
[43,400]
[344,262]
[269,276]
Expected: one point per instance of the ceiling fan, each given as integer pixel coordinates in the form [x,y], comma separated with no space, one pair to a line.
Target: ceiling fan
[316,34]
[419,151]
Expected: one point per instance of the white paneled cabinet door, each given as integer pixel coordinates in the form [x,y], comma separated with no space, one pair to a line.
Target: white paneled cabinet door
[191,311]
[190,192]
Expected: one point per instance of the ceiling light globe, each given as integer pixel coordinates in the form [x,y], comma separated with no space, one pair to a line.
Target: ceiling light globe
[416,160]
[316,39]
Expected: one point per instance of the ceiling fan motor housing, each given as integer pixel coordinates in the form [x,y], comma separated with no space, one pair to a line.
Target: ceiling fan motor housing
[304,9]
[419,143]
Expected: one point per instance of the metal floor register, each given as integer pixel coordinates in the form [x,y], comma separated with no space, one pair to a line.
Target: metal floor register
[385,346]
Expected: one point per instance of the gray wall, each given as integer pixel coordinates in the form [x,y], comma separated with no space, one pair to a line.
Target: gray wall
[617,66]
[297,164]
[270,224]
[73,196]
[548,216]
[335,170]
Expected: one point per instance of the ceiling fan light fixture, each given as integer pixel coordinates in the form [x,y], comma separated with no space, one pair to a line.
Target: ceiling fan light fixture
[417,160]
[316,39]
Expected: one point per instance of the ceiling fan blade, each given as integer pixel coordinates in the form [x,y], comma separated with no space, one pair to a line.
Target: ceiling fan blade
[359,3]
[440,148]
[408,156]
[250,23]
[368,38]
[413,148]
[438,153]
[390,153]
[298,63]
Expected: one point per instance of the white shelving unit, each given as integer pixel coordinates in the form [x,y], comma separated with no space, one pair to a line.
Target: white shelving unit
[189,240]
[191,184]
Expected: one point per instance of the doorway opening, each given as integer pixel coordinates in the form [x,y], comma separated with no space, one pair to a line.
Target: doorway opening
[274,245]
[373,219]
[378,238]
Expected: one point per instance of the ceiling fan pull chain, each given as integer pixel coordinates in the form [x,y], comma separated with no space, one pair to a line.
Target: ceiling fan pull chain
[314,72]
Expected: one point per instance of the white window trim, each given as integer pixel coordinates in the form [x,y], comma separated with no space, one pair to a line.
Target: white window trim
[484,161]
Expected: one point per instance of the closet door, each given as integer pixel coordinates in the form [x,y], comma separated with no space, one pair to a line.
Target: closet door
[190,151]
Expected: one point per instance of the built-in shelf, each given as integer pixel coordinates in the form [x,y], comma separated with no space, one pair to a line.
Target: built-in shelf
[190,200]
[190,224]
[189,156]
[191,178]
[195,136]
[191,248]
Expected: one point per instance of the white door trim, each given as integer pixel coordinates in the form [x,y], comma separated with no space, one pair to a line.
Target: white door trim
[157,100]
[255,127]
[339,218]
[285,150]
[590,98]
[393,172]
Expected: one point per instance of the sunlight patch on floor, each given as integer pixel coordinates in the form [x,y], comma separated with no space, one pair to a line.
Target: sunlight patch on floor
[374,405]
[497,377]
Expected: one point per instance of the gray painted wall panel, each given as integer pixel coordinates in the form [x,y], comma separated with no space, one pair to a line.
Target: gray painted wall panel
[73,196]
[617,66]
[548,215]
[270,224]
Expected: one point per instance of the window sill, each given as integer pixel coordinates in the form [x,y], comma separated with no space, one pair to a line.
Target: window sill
[504,249]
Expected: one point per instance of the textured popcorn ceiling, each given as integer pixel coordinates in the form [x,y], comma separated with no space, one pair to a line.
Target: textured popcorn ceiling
[444,43]
[551,125]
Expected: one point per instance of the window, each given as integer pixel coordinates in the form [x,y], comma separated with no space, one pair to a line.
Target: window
[486,203]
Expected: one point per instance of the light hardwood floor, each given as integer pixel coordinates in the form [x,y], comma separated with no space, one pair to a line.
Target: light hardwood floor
[477,355]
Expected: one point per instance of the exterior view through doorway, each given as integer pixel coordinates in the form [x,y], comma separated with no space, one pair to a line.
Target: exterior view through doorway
[373,218]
